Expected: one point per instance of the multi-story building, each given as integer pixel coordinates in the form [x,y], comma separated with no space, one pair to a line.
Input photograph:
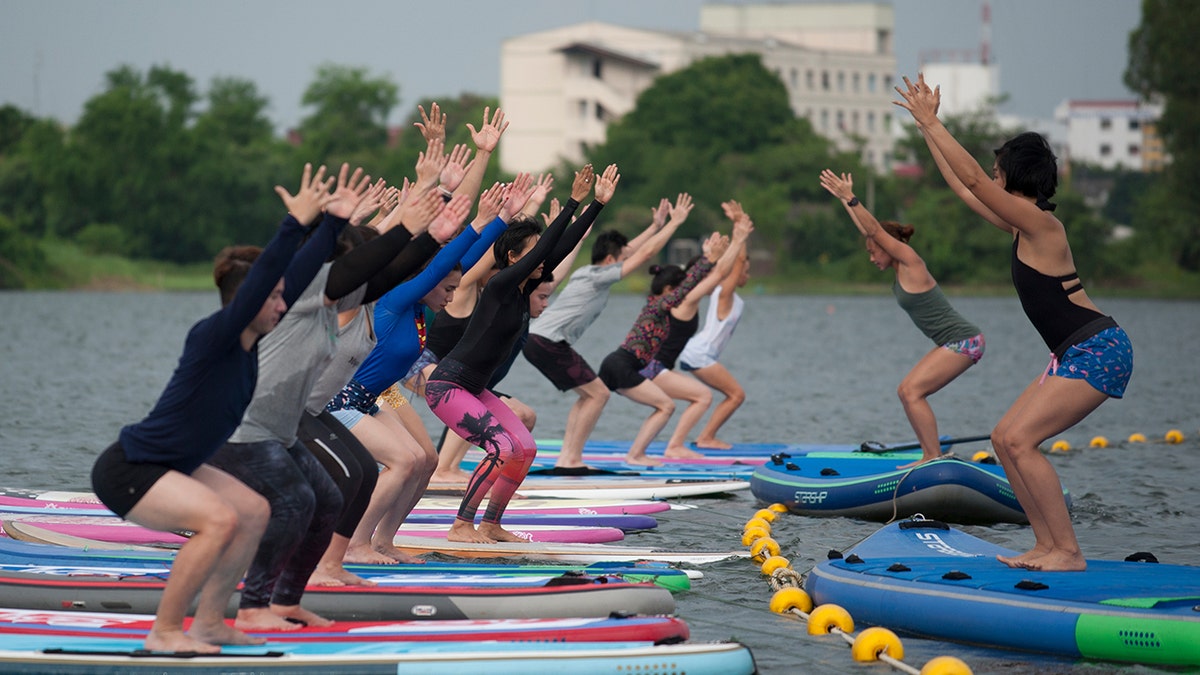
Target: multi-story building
[1113,134]
[562,87]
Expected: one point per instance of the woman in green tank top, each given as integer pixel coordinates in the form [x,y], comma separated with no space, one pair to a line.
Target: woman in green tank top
[958,343]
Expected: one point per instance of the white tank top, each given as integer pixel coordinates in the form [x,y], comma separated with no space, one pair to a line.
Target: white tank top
[706,345]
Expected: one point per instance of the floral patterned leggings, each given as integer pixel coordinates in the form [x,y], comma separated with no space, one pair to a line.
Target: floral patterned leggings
[484,421]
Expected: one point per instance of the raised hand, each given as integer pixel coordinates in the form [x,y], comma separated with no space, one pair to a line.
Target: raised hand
[742,227]
[516,195]
[447,223]
[681,209]
[841,187]
[347,193]
[311,198]
[733,209]
[416,214]
[430,164]
[555,209]
[541,188]
[433,125]
[920,100]
[583,183]
[456,168]
[658,215]
[489,206]
[606,185]
[709,247]
[371,203]
[488,135]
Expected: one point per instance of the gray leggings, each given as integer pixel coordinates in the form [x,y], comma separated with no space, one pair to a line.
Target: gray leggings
[305,507]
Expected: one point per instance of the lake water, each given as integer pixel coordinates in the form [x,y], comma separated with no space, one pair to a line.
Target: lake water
[75,367]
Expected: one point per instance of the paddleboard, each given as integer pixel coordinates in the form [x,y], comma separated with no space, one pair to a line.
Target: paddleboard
[567,487]
[618,628]
[78,554]
[579,553]
[927,578]
[117,655]
[104,528]
[562,597]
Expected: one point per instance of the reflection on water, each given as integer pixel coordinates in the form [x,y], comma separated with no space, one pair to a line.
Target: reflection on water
[75,367]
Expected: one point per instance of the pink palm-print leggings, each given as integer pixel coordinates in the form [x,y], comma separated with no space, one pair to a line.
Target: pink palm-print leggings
[484,421]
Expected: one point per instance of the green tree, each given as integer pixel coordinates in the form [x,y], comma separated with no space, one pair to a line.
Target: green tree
[1162,64]
[350,115]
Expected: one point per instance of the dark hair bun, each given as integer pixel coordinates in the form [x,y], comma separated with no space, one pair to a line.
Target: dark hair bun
[655,269]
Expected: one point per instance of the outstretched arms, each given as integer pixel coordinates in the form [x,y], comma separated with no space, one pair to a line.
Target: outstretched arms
[842,187]
[678,213]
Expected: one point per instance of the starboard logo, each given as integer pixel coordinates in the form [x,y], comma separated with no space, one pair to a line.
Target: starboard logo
[810,496]
[933,541]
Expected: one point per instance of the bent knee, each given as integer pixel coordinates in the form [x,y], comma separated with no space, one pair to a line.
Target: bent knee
[667,408]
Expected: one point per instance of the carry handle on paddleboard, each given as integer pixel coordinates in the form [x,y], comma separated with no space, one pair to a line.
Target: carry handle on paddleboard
[875,446]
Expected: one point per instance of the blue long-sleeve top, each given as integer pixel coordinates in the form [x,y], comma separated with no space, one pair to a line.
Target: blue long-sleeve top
[214,381]
[396,313]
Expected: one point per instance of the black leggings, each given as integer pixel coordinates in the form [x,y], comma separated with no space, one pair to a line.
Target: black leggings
[350,465]
[305,506]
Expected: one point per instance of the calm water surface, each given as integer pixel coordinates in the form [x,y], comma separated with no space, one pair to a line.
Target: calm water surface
[75,367]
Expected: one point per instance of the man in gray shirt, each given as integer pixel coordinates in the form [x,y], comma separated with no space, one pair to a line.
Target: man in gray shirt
[577,306]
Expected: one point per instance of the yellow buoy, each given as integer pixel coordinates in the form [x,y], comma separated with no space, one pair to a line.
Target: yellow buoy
[766,514]
[875,641]
[773,563]
[787,599]
[822,620]
[757,522]
[1137,438]
[778,508]
[763,548]
[946,665]
[1099,442]
[1060,446]
[753,534]
[980,456]
[1174,436]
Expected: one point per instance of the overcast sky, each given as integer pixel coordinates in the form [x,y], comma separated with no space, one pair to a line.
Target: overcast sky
[54,53]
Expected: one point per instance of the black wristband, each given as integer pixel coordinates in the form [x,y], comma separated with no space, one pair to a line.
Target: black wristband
[853,202]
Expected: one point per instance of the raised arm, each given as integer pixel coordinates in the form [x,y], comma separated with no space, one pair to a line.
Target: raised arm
[606,186]
[658,239]
[658,218]
[842,187]
[348,192]
[742,227]
[485,138]
[1017,212]
[961,190]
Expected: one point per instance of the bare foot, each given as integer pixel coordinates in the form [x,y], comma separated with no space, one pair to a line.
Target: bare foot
[642,460]
[681,452]
[1057,561]
[712,444]
[498,533]
[461,530]
[177,641]
[449,477]
[924,458]
[334,575]
[221,633]
[396,555]
[298,613]
[1019,561]
[366,555]
[262,619]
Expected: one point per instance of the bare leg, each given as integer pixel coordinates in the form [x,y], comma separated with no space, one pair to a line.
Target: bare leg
[450,456]
[719,378]
[581,420]
[418,480]
[935,370]
[178,501]
[1045,409]
[698,398]
[391,445]
[331,571]
[647,393]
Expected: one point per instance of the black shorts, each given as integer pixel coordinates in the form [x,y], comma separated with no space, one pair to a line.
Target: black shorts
[121,484]
[561,364]
[619,370]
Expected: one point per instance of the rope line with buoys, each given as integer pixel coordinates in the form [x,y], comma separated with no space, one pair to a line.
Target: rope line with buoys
[872,644]
[1171,437]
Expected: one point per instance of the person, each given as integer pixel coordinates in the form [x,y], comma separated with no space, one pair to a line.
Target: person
[958,343]
[549,348]
[156,474]
[456,391]
[682,323]
[621,369]
[700,354]
[1091,356]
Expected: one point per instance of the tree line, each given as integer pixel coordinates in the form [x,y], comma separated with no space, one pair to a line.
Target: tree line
[154,169]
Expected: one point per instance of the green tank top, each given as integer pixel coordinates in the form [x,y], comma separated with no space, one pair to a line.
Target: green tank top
[934,316]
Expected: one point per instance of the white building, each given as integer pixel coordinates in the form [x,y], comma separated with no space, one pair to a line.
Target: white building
[562,87]
[1113,134]
[966,87]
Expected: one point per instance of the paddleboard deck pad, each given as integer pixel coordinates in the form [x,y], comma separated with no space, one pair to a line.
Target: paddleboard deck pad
[929,579]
